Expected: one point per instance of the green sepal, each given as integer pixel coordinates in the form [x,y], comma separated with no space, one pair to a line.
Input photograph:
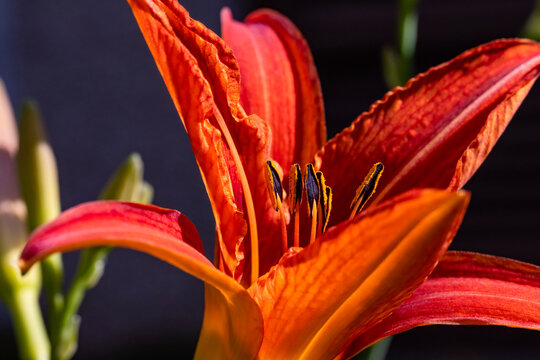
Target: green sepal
[145,193]
[125,183]
[38,174]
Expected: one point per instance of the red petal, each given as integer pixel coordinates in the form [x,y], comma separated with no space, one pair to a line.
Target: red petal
[279,83]
[356,273]
[466,288]
[165,234]
[202,77]
[232,326]
[436,130]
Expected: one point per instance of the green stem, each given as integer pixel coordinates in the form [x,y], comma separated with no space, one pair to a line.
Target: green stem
[38,177]
[531,29]
[128,185]
[406,35]
[52,273]
[376,351]
[398,63]
[64,338]
[28,323]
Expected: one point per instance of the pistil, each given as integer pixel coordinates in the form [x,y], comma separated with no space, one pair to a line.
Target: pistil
[250,208]
[312,194]
[296,189]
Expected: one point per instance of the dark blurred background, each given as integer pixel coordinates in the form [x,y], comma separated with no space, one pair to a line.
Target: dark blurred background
[87,65]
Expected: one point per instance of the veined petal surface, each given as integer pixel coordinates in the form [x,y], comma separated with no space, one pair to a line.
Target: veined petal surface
[202,76]
[165,234]
[279,83]
[436,130]
[465,288]
[182,49]
[356,273]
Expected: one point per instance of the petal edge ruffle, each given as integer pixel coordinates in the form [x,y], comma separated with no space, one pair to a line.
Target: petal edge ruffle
[437,130]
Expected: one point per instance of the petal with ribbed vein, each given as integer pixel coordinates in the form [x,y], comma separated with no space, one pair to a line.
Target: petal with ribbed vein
[202,76]
[465,288]
[357,272]
[165,234]
[279,83]
[438,129]
[200,72]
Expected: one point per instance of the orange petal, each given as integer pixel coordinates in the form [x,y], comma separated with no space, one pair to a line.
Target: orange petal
[232,326]
[202,77]
[356,273]
[465,288]
[436,130]
[165,234]
[279,83]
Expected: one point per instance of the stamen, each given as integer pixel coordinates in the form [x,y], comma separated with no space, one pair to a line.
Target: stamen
[366,189]
[313,226]
[296,188]
[273,184]
[328,207]
[312,194]
[319,219]
[325,201]
[312,190]
[322,195]
[250,208]
[296,229]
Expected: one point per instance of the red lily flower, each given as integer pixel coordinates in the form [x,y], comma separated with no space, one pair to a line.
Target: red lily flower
[364,278]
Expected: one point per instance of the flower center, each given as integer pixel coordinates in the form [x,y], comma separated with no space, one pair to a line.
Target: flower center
[319,197]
